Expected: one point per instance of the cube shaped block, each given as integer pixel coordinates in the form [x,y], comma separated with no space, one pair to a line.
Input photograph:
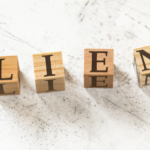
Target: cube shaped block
[49,72]
[98,68]
[9,75]
[142,65]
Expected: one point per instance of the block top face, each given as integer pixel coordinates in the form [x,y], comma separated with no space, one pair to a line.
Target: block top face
[9,69]
[98,62]
[142,56]
[48,66]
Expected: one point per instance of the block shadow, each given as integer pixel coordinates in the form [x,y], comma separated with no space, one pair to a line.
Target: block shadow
[73,106]
[124,96]
[64,106]
[21,103]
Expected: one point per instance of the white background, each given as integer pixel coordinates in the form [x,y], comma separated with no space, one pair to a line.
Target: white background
[78,118]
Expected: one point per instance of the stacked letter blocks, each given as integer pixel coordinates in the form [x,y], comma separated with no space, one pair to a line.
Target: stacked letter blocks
[98,68]
[49,72]
[142,65]
[9,75]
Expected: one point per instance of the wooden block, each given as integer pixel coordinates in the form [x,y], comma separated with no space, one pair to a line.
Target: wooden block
[49,72]
[142,65]
[9,75]
[98,68]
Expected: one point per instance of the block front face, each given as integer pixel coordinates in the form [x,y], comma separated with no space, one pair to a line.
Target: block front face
[48,65]
[98,61]
[98,81]
[10,89]
[53,85]
[9,75]
[49,72]
[144,80]
[142,63]
[142,56]
[98,68]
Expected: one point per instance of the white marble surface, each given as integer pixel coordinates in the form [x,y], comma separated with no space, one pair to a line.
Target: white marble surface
[78,118]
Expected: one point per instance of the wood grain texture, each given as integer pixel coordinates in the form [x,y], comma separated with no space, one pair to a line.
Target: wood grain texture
[10,68]
[58,85]
[142,62]
[139,60]
[104,70]
[57,70]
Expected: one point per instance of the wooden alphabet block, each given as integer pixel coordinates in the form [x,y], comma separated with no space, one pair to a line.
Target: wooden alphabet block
[9,75]
[49,72]
[142,65]
[98,68]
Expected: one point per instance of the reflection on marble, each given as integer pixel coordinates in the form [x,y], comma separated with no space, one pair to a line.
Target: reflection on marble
[78,118]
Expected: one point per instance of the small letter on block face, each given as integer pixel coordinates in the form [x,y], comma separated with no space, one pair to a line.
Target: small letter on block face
[98,68]
[9,75]
[49,72]
[142,65]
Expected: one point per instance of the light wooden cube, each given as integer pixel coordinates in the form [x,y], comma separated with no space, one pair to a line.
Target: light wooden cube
[49,72]
[9,75]
[98,68]
[142,65]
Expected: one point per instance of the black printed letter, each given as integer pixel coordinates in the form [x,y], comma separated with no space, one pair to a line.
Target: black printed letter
[49,72]
[94,81]
[2,90]
[142,52]
[1,72]
[48,65]
[147,75]
[94,61]
[50,85]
